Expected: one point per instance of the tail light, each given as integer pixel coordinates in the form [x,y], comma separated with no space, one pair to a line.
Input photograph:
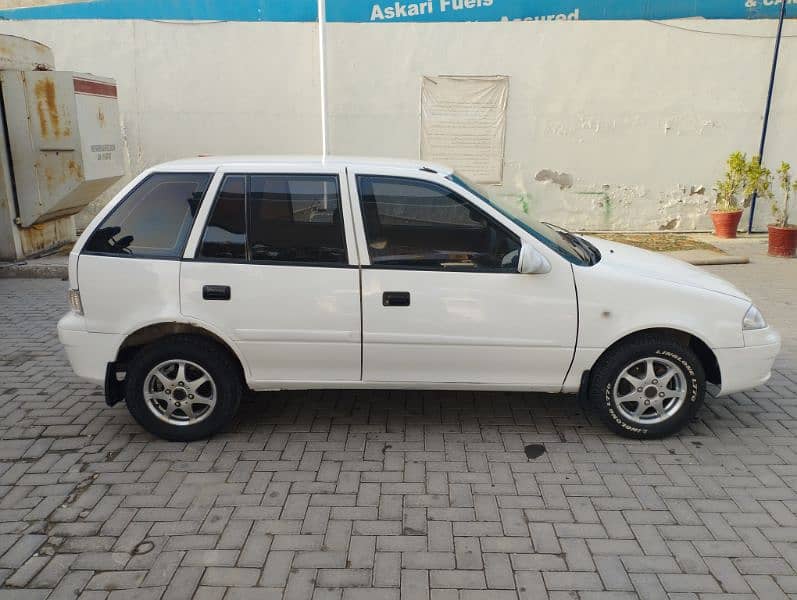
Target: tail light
[75,303]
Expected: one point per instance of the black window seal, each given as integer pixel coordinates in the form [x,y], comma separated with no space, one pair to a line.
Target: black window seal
[130,256]
[181,250]
[385,267]
[271,263]
[459,198]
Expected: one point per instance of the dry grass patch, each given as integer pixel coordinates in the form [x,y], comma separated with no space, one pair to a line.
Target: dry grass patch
[660,242]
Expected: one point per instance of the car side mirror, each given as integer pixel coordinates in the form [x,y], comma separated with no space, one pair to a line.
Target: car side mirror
[532,262]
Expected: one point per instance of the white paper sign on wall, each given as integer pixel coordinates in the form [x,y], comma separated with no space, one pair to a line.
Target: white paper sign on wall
[463,124]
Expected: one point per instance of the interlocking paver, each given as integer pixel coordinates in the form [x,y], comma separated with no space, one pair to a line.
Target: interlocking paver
[115,580]
[387,569]
[395,494]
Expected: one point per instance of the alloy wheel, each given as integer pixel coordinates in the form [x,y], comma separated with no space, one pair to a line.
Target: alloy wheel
[180,392]
[650,390]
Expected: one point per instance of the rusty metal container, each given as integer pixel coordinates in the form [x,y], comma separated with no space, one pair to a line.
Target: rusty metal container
[65,140]
[60,147]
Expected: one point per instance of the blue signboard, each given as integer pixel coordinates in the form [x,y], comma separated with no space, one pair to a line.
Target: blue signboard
[549,10]
[391,11]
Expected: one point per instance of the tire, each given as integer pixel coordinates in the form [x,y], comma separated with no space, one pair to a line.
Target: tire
[194,410]
[648,387]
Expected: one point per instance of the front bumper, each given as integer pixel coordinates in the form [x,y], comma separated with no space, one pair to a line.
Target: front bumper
[748,367]
[88,353]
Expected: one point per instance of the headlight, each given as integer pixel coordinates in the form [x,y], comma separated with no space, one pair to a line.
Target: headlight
[75,303]
[753,319]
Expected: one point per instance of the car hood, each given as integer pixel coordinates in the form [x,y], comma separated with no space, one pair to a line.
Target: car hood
[654,265]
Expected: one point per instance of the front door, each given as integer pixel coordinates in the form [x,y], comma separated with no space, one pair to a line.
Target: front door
[443,302]
[272,270]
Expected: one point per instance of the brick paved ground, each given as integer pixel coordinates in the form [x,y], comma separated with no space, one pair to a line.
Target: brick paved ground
[390,495]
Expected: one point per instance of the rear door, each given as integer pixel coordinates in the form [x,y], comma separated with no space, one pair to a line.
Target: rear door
[443,302]
[275,269]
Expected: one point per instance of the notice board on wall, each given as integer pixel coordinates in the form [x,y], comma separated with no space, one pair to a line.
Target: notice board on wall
[463,124]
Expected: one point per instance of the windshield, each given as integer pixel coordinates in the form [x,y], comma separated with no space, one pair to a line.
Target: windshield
[565,244]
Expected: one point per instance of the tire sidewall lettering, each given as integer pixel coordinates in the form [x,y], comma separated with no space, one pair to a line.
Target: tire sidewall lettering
[610,408]
[688,371]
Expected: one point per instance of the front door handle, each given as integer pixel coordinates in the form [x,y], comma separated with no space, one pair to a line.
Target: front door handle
[396,299]
[216,292]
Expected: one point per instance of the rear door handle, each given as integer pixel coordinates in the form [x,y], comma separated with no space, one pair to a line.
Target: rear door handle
[216,292]
[396,299]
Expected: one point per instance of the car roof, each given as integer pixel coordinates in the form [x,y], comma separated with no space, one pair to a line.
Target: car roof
[211,163]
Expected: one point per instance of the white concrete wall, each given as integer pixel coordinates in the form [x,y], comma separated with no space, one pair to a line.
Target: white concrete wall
[639,113]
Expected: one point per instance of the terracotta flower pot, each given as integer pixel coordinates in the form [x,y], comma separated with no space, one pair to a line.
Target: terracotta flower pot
[782,240]
[726,223]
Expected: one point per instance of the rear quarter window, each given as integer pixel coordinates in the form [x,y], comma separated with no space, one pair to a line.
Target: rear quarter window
[154,220]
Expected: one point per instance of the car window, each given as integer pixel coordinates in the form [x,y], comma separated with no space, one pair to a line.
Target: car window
[154,220]
[417,224]
[225,233]
[556,239]
[295,219]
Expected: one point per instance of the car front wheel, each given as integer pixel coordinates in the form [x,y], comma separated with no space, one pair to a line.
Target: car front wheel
[648,387]
[183,388]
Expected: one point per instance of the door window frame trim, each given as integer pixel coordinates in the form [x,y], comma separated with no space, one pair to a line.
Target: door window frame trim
[198,233]
[204,230]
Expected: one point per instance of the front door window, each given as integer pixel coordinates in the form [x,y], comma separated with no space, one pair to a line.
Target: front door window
[416,224]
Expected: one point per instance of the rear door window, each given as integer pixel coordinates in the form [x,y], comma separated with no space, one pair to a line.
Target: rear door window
[295,219]
[154,220]
[291,219]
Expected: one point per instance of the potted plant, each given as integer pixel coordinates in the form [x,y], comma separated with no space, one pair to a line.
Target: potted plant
[782,236]
[758,181]
[727,211]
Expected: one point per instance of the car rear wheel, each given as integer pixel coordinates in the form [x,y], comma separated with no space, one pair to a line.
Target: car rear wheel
[648,387]
[183,388]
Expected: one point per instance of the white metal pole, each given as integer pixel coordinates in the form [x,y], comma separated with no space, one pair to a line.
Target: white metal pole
[322,59]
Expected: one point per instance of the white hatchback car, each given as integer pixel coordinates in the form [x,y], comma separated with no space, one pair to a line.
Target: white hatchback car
[207,275]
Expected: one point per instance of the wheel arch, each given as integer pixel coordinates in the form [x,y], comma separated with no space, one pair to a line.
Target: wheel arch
[703,351]
[137,339]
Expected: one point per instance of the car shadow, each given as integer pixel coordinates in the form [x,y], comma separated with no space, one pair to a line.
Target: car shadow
[393,409]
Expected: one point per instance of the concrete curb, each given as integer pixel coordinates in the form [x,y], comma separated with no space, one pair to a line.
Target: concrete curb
[720,260]
[701,257]
[25,270]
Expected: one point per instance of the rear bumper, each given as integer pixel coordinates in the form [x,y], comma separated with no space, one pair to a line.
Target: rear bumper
[88,353]
[745,368]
